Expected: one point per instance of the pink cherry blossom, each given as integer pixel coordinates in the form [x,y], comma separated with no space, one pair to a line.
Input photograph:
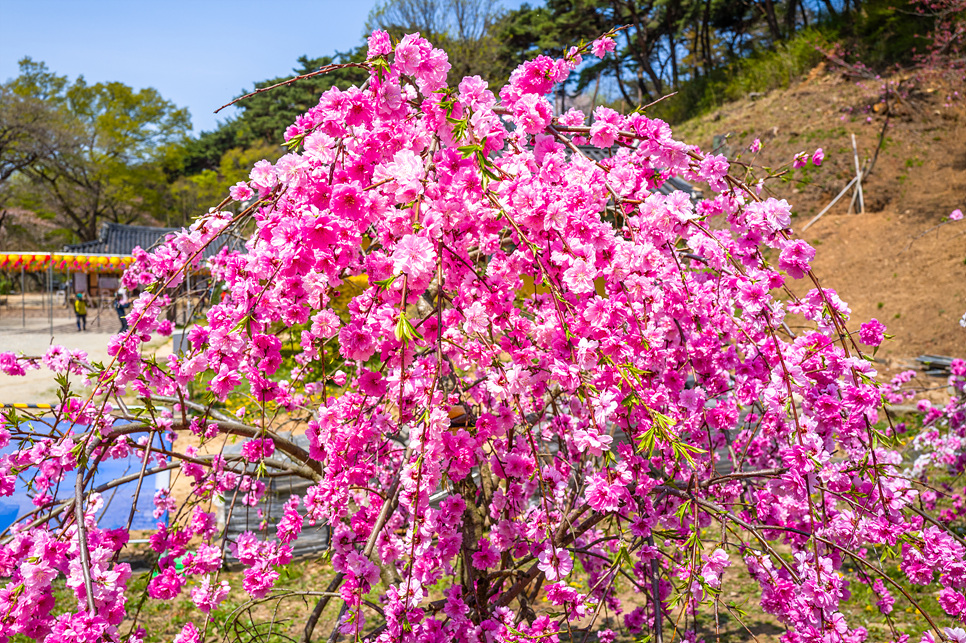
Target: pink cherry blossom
[532,113]
[208,597]
[189,634]
[414,255]
[240,191]
[555,564]
[872,332]
[601,46]
[380,44]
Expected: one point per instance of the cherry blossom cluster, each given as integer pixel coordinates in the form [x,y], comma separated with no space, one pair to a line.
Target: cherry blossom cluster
[557,383]
[941,440]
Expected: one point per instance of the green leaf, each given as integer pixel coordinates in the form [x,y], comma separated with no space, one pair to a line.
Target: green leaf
[404,330]
[468,150]
[624,557]
[646,441]
[385,283]
[737,610]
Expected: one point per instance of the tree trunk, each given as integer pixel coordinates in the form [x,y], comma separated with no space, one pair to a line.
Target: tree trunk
[790,10]
[672,49]
[768,6]
[620,81]
[706,28]
[642,53]
[695,47]
[656,80]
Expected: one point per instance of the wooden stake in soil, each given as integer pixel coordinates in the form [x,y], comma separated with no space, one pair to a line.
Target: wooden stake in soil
[856,193]
[826,208]
[858,176]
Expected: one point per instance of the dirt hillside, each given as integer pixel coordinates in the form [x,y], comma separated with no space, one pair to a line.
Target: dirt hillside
[898,262]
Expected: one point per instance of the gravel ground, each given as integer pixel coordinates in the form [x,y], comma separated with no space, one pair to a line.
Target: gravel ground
[32,336]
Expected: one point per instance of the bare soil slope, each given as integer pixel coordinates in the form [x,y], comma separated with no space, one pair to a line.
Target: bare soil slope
[892,262]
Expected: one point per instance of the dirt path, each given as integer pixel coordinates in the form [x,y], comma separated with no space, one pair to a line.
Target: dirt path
[38,386]
[884,267]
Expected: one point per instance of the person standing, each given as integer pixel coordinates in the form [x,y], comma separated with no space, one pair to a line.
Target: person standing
[120,307]
[80,310]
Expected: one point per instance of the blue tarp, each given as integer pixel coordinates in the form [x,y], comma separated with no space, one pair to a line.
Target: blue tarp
[117,501]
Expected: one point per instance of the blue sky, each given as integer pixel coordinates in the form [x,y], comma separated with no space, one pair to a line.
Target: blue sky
[198,54]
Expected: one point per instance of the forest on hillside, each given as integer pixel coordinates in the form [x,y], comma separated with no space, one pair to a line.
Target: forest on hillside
[74,155]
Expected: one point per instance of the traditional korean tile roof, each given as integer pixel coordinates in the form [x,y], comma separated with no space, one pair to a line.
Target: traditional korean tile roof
[119,239]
